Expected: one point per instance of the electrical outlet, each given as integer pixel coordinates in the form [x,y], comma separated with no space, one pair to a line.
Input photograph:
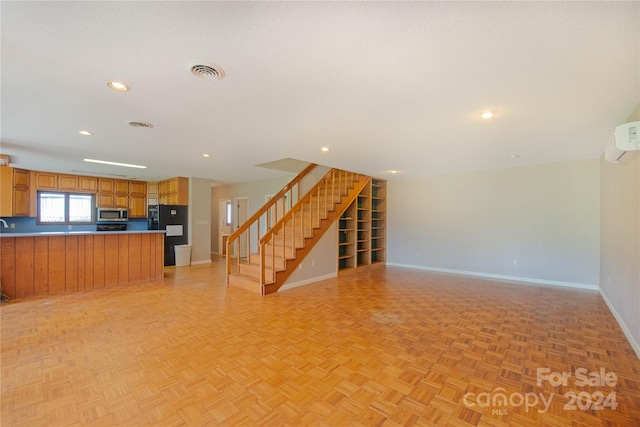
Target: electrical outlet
[12,225]
[300,266]
[69,227]
[515,262]
[313,263]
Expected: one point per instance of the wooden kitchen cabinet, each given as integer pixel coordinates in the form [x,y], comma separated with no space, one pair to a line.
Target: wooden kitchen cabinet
[68,182]
[138,188]
[121,186]
[88,184]
[174,191]
[137,206]
[106,185]
[14,191]
[46,181]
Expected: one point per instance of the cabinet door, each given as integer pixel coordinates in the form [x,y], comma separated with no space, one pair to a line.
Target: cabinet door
[20,178]
[122,200]
[6,191]
[88,183]
[122,187]
[138,188]
[46,181]
[106,200]
[152,187]
[106,185]
[137,207]
[20,201]
[163,187]
[68,182]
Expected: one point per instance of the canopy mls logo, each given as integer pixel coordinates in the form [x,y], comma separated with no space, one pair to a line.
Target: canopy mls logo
[500,402]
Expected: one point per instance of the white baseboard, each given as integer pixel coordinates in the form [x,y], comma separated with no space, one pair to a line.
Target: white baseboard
[623,326]
[307,281]
[204,261]
[499,276]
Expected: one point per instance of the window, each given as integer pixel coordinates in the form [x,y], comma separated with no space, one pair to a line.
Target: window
[228,213]
[65,208]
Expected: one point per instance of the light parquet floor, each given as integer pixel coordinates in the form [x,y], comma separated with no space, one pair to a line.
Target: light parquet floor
[379,346]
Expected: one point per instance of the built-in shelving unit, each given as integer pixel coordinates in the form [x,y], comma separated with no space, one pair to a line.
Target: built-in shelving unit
[362,228]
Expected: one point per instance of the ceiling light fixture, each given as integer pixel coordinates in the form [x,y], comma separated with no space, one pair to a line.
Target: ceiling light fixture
[206,155]
[393,171]
[487,114]
[120,87]
[513,156]
[85,133]
[104,162]
[325,149]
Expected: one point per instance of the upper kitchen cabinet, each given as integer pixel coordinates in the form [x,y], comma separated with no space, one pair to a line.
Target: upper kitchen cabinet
[14,192]
[174,191]
[46,180]
[68,182]
[88,184]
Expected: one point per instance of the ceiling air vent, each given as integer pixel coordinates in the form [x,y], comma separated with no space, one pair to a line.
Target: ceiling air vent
[141,125]
[206,72]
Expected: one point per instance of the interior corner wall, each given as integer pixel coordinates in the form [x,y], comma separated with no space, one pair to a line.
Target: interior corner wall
[531,223]
[200,220]
[620,241]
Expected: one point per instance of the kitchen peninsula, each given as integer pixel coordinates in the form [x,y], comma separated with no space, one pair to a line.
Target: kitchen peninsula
[41,264]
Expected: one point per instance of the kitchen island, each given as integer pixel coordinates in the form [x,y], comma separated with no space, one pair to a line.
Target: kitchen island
[41,264]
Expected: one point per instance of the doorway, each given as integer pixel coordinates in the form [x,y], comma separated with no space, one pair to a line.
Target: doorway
[242,208]
[225,215]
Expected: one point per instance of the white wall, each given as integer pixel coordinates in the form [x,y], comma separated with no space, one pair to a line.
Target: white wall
[620,241]
[200,220]
[546,217]
[254,190]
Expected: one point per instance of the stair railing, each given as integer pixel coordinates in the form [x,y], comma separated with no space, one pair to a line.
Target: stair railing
[244,232]
[336,181]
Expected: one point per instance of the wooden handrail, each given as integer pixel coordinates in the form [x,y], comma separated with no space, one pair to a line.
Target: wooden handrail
[270,203]
[295,208]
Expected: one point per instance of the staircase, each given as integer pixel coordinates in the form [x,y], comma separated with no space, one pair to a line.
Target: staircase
[264,251]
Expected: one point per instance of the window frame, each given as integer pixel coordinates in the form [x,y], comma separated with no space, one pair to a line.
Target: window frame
[67,196]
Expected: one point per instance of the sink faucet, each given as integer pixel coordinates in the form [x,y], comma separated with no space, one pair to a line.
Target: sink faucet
[4,223]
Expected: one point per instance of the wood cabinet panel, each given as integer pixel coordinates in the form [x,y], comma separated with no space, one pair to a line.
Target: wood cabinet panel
[7,265]
[24,263]
[71,264]
[98,261]
[88,183]
[68,182]
[111,259]
[138,188]
[122,186]
[21,178]
[134,257]
[145,256]
[57,268]
[137,206]
[107,185]
[21,201]
[106,200]
[88,262]
[41,266]
[123,258]
[6,191]
[46,181]
[122,200]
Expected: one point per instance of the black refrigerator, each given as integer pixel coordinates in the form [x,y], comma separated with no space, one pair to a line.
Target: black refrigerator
[174,220]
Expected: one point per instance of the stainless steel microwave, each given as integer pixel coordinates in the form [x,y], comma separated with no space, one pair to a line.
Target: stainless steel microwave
[110,214]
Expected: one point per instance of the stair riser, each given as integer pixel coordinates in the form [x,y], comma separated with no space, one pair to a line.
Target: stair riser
[280,263]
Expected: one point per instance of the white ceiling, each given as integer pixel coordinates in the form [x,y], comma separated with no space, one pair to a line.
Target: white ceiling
[386,85]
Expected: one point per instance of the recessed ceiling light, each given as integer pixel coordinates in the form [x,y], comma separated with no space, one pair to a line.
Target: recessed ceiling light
[325,149]
[104,162]
[206,155]
[514,156]
[393,171]
[488,114]
[120,87]
[85,133]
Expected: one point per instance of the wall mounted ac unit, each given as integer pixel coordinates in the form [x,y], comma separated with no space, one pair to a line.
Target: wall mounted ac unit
[625,138]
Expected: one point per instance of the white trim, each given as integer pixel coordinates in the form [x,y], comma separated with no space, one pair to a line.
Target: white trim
[634,344]
[307,281]
[499,276]
[204,261]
